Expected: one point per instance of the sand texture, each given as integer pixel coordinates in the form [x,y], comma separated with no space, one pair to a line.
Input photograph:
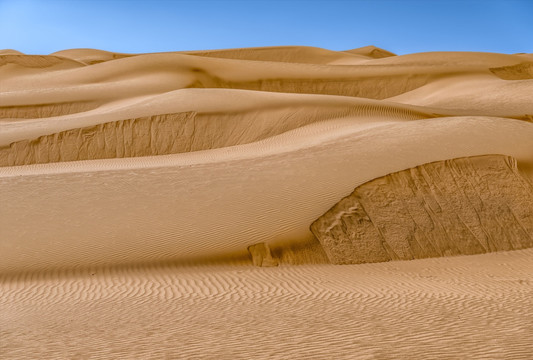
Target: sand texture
[159,205]
[461,206]
[475,307]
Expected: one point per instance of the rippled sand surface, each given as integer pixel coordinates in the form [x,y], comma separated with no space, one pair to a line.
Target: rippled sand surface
[477,306]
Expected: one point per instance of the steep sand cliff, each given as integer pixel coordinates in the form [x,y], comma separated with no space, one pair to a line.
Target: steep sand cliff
[453,207]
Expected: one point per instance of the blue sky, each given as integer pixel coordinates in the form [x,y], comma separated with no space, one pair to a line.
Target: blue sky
[42,27]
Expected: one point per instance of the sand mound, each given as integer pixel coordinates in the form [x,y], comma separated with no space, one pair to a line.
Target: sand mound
[464,60]
[461,94]
[10,52]
[38,61]
[291,54]
[453,207]
[90,56]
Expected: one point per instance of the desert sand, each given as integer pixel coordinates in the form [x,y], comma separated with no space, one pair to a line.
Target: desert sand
[161,205]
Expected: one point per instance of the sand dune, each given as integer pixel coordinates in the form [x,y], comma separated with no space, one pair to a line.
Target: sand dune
[156,73]
[306,171]
[10,52]
[201,120]
[146,182]
[290,54]
[90,56]
[498,98]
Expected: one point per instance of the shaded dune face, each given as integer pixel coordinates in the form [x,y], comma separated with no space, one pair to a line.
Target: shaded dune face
[372,52]
[209,129]
[38,61]
[454,207]
[521,71]
[366,87]
[183,132]
[289,54]
[45,110]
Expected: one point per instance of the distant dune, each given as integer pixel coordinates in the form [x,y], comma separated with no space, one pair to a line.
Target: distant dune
[134,182]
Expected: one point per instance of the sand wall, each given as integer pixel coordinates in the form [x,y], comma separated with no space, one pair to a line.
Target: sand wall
[462,206]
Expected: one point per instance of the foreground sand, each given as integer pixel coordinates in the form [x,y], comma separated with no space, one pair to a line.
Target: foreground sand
[467,307]
[132,185]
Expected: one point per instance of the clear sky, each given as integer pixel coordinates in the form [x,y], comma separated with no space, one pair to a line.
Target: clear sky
[42,27]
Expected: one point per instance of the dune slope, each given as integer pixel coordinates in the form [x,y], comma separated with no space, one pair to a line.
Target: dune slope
[135,189]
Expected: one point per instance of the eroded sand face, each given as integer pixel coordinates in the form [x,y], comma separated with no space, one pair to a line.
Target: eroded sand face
[164,160]
[421,212]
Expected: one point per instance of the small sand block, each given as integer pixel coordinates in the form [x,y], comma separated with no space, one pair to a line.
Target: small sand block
[261,255]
